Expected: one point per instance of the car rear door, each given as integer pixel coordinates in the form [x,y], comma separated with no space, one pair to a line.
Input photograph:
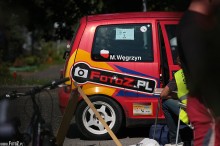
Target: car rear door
[129,49]
[168,34]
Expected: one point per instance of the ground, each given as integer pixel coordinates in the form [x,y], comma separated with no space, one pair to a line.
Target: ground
[50,73]
[49,104]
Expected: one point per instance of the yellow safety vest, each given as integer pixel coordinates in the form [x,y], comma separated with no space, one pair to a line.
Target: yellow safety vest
[182,92]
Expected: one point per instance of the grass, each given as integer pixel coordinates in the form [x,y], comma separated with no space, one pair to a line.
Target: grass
[20,81]
[50,54]
[7,78]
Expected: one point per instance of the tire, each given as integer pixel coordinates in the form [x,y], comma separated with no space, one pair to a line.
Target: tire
[90,126]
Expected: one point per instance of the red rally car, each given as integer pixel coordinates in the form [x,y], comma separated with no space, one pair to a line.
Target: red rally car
[119,60]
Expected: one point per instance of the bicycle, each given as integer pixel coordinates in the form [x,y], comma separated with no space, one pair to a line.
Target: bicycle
[38,132]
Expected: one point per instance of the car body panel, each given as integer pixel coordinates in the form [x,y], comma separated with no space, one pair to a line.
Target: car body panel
[131,84]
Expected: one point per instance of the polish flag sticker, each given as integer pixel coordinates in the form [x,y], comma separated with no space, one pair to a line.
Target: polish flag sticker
[104,53]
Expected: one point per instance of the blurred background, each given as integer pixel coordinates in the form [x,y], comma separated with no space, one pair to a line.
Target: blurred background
[34,33]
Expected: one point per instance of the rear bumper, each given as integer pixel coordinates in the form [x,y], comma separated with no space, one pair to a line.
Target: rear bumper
[63,98]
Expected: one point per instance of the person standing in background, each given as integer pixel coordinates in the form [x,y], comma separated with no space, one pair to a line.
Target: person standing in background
[199,51]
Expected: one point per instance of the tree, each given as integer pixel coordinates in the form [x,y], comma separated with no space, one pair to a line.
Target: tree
[40,16]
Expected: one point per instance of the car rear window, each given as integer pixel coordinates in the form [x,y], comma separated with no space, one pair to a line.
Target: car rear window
[171,32]
[127,42]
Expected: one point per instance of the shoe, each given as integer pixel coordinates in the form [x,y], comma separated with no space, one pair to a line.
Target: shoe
[179,144]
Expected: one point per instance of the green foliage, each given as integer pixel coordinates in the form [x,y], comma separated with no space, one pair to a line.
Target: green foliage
[32,60]
[39,16]
[167,5]
[20,81]
[4,71]
[52,52]
[5,74]
[49,53]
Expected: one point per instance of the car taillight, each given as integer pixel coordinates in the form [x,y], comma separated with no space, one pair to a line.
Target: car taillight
[67,89]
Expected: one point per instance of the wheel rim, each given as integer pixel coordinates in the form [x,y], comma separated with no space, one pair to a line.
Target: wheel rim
[91,122]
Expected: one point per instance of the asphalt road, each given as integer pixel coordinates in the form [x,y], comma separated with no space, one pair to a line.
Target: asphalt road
[49,104]
[22,108]
[127,137]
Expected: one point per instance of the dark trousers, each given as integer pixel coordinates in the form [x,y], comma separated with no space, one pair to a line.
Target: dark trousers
[171,112]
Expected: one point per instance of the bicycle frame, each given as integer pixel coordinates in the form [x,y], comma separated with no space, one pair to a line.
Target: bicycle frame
[37,132]
[35,125]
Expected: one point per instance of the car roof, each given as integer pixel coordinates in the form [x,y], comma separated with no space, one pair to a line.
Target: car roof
[156,15]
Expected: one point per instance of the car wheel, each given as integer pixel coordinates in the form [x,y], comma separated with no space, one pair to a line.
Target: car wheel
[89,125]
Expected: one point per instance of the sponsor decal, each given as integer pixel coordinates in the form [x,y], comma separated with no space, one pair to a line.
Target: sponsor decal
[83,73]
[124,34]
[124,58]
[106,55]
[142,109]
[143,28]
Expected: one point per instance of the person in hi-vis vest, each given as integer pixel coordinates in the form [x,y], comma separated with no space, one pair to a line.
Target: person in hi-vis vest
[174,93]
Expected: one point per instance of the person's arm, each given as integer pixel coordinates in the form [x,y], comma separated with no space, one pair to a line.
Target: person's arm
[168,91]
[165,94]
